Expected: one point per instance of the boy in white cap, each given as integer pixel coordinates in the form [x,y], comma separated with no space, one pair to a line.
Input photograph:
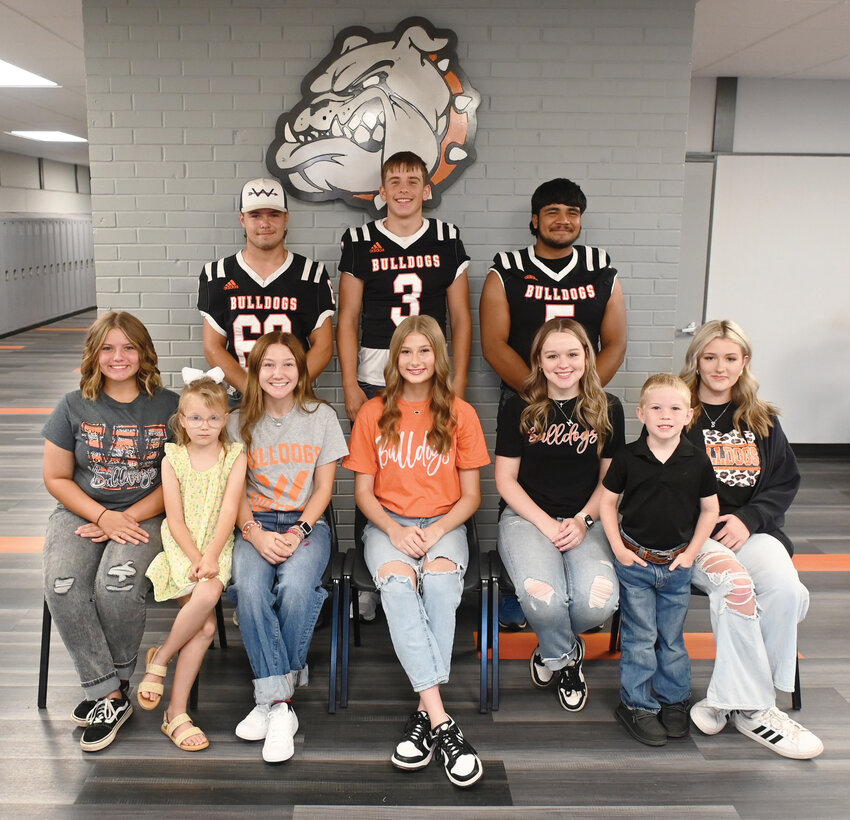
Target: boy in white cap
[264,287]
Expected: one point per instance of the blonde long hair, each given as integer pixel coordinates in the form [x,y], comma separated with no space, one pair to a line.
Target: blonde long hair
[148,379]
[591,409]
[755,413]
[253,404]
[443,420]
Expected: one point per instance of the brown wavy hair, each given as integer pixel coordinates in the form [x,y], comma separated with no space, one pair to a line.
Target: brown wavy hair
[148,379]
[591,409]
[214,396]
[253,404]
[443,419]
[754,413]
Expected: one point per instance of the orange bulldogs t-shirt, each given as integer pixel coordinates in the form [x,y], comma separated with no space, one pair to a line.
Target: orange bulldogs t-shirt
[413,480]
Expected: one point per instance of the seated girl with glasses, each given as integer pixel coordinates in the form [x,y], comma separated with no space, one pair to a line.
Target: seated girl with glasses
[203,477]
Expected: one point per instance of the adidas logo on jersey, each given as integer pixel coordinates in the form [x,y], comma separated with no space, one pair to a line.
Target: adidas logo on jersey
[231,285]
[376,248]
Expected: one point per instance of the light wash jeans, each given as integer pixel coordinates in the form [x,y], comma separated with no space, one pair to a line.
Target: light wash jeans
[278,604]
[756,654]
[583,579]
[421,619]
[654,664]
[96,595]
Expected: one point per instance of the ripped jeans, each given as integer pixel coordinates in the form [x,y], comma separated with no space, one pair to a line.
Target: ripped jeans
[756,600]
[96,595]
[421,619]
[584,584]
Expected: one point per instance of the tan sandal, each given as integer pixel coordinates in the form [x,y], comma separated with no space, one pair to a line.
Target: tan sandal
[172,731]
[150,687]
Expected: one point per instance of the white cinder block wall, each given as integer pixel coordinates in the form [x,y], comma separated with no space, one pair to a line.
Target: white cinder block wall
[183,97]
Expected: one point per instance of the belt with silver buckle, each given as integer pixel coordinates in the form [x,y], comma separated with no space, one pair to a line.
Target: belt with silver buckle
[655,556]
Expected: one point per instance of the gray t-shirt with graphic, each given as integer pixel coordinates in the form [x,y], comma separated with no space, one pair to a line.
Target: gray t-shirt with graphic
[117,446]
[285,452]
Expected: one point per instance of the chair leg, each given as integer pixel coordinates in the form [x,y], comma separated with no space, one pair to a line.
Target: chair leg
[44,663]
[614,640]
[334,647]
[344,640]
[219,619]
[494,626]
[797,695]
[354,608]
[483,629]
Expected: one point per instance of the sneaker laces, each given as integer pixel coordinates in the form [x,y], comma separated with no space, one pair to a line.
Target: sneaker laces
[417,728]
[778,720]
[454,744]
[569,676]
[103,712]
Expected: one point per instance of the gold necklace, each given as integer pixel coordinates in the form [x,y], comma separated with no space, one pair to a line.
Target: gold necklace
[563,412]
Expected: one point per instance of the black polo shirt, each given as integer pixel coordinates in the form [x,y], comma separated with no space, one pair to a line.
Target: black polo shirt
[661,502]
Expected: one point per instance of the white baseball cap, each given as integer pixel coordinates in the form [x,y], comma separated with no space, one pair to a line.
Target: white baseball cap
[263,193]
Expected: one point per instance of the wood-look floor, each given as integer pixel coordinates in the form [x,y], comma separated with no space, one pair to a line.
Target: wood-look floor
[539,760]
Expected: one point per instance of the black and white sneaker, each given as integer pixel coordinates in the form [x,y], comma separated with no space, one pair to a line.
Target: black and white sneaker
[82,714]
[774,729]
[572,687]
[107,717]
[416,747]
[541,675]
[460,761]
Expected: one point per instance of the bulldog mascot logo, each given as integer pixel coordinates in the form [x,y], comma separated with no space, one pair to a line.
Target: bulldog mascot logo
[374,95]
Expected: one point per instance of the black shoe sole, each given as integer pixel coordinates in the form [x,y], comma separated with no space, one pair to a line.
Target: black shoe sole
[647,741]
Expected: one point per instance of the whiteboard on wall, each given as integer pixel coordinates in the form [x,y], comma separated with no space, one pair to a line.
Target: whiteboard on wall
[780,267]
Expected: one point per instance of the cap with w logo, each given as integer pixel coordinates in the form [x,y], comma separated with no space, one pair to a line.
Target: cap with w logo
[263,193]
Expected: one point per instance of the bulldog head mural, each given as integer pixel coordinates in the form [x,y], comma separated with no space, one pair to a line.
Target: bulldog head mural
[374,95]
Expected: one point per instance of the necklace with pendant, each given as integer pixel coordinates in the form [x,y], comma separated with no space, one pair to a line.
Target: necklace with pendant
[714,421]
[560,406]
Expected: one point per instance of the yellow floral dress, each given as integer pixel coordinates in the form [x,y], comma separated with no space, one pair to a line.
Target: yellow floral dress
[202,494]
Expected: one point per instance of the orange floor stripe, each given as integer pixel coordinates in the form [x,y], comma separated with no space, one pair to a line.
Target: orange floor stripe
[13,347]
[822,563]
[518,646]
[21,543]
[25,411]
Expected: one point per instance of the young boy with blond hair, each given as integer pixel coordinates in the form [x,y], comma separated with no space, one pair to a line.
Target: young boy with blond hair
[669,507]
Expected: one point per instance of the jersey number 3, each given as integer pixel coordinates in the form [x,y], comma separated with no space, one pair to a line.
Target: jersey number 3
[410,286]
[247,329]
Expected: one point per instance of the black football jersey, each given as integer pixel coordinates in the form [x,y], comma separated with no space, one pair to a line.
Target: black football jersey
[240,305]
[402,275]
[535,293]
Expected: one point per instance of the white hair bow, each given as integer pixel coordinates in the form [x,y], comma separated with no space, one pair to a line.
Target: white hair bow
[192,374]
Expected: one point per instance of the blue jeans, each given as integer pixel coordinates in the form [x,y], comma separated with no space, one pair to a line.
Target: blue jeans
[278,604]
[422,618]
[654,665]
[758,652]
[583,581]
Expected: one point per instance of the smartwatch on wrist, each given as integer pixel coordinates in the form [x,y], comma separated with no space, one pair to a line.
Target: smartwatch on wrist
[304,527]
[588,521]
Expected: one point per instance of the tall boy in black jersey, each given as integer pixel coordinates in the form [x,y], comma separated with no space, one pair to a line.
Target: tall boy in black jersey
[264,287]
[554,277]
[396,267]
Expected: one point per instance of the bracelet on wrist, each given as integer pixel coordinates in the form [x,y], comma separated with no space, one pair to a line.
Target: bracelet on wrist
[297,531]
[246,527]
[102,512]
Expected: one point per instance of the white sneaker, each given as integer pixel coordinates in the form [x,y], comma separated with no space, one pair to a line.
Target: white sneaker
[280,743]
[774,729]
[708,719]
[255,724]
[368,605]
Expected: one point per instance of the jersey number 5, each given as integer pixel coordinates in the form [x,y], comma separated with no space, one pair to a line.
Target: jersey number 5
[247,329]
[410,286]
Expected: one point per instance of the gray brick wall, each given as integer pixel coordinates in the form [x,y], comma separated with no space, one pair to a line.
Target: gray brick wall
[183,97]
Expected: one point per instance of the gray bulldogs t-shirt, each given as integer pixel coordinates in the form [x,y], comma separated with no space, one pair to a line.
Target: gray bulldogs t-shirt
[282,458]
[117,447]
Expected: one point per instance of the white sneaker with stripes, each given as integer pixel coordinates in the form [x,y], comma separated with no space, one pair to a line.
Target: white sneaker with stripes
[774,729]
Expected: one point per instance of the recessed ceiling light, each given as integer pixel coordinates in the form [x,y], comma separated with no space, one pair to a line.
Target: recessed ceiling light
[47,136]
[13,77]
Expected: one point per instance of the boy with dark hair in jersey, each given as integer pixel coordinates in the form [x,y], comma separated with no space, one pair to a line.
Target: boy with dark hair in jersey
[552,278]
[262,288]
[399,266]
